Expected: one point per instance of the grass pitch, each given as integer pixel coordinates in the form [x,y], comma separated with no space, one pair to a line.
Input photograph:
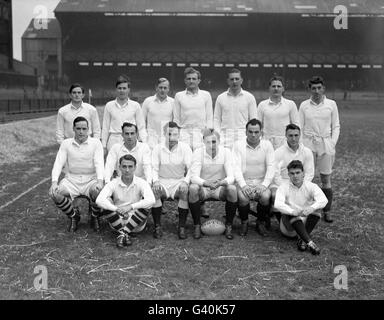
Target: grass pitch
[86,265]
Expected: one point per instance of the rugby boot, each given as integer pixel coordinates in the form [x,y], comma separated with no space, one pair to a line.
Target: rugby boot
[328,217]
[244,228]
[95,223]
[301,245]
[260,228]
[181,233]
[157,232]
[197,232]
[313,248]
[228,232]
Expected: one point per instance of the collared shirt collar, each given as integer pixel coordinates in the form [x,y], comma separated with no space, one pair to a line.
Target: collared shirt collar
[73,107]
[241,92]
[79,144]
[292,185]
[192,94]
[134,148]
[165,147]
[122,184]
[291,150]
[121,106]
[315,104]
[274,103]
[161,101]
[250,147]
[217,153]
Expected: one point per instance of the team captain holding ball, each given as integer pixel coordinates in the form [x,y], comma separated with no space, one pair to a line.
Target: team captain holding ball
[236,174]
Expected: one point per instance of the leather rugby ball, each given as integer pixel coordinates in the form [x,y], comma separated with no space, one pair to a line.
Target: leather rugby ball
[213,227]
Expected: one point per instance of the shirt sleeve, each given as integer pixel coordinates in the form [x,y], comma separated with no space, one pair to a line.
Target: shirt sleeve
[217,115]
[105,194]
[301,119]
[309,166]
[96,130]
[237,159]
[270,164]
[252,107]
[319,197]
[335,124]
[294,114]
[147,166]
[141,124]
[228,166]
[196,167]
[144,108]
[188,163]
[110,163]
[98,159]
[155,157]
[148,197]
[61,159]
[260,113]
[59,128]
[209,111]
[177,110]
[105,127]
[278,164]
[280,204]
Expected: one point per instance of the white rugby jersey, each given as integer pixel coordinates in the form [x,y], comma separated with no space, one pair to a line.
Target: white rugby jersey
[68,113]
[83,162]
[142,154]
[138,194]
[204,167]
[115,115]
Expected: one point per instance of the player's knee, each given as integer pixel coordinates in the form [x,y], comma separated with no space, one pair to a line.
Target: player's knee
[57,197]
[242,198]
[194,192]
[265,197]
[93,193]
[231,193]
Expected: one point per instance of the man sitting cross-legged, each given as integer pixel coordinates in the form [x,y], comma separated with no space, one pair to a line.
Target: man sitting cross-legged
[254,171]
[83,159]
[131,197]
[212,179]
[171,161]
[300,203]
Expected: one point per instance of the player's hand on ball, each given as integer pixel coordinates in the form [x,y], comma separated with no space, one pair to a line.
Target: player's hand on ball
[183,187]
[156,187]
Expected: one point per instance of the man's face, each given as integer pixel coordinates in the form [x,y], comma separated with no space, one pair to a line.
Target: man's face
[211,143]
[276,89]
[123,90]
[162,89]
[76,94]
[317,91]
[296,176]
[293,137]
[234,80]
[127,168]
[253,133]
[129,135]
[192,81]
[172,135]
[81,131]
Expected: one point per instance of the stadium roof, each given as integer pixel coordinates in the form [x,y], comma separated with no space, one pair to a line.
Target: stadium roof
[219,7]
[52,31]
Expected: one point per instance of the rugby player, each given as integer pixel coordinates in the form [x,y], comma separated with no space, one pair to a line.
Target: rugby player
[276,112]
[76,108]
[212,178]
[118,111]
[171,161]
[84,161]
[254,172]
[320,125]
[139,150]
[233,109]
[131,196]
[157,111]
[300,203]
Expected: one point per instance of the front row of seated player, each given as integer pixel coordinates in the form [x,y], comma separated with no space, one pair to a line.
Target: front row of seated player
[211,172]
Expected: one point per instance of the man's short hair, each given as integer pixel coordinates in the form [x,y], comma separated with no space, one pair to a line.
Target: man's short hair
[316,80]
[292,126]
[254,122]
[233,70]
[275,77]
[79,119]
[295,164]
[210,132]
[76,85]
[123,79]
[190,70]
[128,125]
[161,80]
[170,124]
[127,157]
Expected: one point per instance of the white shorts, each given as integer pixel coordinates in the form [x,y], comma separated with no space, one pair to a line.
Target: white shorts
[229,136]
[324,163]
[113,139]
[170,187]
[210,194]
[193,137]
[76,189]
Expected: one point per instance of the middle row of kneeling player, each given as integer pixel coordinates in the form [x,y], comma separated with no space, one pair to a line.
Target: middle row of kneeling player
[251,171]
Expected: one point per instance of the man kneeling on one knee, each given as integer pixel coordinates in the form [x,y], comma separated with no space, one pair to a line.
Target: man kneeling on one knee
[300,203]
[212,178]
[131,197]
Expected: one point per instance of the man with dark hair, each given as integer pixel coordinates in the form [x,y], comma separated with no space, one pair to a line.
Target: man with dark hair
[118,111]
[300,203]
[139,150]
[76,108]
[212,178]
[276,112]
[192,109]
[131,196]
[158,111]
[320,125]
[84,161]
[233,109]
[171,161]
[254,172]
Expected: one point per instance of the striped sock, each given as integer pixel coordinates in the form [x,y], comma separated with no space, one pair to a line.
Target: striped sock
[95,209]
[115,221]
[65,206]
[136,219]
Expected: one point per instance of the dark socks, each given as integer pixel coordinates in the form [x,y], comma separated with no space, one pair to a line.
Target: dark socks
[244,211]
[230,211]
[329,194]
[299,227]
[196,212]
[156,215]
[183,214]
[311,222]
